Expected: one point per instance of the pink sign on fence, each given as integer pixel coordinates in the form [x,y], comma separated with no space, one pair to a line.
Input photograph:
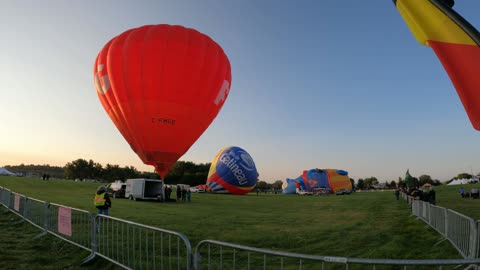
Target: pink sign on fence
[16,203]
[65,221]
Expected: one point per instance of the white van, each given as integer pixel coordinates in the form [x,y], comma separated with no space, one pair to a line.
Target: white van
[144,189]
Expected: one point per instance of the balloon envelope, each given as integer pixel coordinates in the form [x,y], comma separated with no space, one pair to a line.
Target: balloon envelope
[332,180]
[232,171]
[162,86]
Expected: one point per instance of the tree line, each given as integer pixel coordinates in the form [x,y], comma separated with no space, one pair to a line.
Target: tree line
[185,172]
[38,170]
[190,173]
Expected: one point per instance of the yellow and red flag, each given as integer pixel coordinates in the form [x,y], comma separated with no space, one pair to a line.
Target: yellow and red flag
[455,42]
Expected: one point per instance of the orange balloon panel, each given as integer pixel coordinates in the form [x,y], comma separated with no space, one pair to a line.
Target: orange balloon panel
[162,86]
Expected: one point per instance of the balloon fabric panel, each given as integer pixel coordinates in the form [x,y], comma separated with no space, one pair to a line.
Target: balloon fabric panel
[462,63]
[338,181]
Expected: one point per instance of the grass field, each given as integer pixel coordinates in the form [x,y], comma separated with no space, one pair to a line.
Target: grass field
[363,225]
[20,249]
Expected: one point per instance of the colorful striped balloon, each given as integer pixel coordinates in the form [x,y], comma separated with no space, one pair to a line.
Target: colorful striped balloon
[232,171]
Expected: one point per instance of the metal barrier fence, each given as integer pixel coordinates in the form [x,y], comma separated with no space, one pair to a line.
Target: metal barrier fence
[211,254]
[17,203]
[137,246]
[438,215]
[5,197]
[460,230]
[36,212]
[127,244]
[72,225]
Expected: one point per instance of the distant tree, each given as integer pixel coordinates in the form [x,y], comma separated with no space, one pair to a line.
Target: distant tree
[149,175]
[437,182]
[464,176]
[393,184]
[261,185]
[131,172]
[189,173]
[401,183]
[77,169]
[113,172]
[424,179]
[370,181]
[277,185]
[94,169]
[361,184]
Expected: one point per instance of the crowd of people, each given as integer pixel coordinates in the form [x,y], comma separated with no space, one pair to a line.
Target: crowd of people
[183,193]
[428,194]
[419,193]
[474,193]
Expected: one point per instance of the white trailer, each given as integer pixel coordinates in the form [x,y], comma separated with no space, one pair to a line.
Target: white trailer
[144,189]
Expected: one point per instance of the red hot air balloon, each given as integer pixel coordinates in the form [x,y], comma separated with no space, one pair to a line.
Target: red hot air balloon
[162,86]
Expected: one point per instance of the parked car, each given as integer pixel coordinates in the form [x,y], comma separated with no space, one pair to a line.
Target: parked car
[343,192]
[196,190]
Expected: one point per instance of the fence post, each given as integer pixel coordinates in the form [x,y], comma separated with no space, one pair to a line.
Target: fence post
[473,239]
[3,199]
[10,206]
[430,214]
[446,223]
[477,244]
[24,212]
[197,259]
[45,221]
[93,240]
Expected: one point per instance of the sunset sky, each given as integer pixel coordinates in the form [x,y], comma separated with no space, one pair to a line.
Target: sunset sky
[315,84]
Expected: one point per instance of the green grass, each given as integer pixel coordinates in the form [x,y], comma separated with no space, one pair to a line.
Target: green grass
[20,249]
[362,225]
[448,197]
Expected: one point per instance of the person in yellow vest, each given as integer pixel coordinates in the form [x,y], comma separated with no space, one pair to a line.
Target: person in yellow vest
[102,201]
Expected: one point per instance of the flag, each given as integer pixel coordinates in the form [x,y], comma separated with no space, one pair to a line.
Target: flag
[455,42]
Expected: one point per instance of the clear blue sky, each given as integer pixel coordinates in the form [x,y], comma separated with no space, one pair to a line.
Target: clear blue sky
[315,84]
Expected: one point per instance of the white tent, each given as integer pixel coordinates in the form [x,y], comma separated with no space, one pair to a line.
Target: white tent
[462,181]
[4,171]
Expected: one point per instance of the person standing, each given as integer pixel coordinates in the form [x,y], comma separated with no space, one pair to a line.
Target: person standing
[102,201]
[397,193]
[474,193]
[184,194]
[431,196]
[179,193]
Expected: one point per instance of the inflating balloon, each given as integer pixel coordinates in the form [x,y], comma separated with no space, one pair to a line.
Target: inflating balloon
[232,171]
[162,86]
[329,180]
[455,42]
